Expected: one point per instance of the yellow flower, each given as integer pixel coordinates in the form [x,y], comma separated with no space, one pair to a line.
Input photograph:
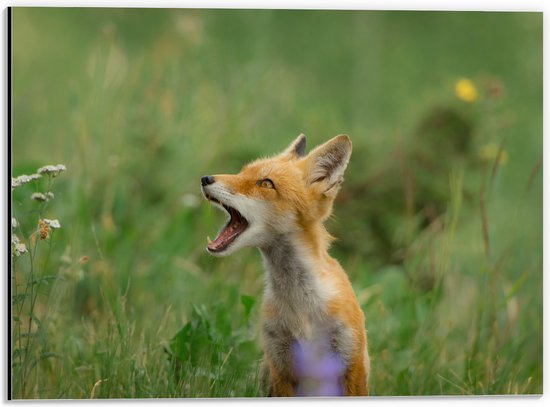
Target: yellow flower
[465,90]
[489,152]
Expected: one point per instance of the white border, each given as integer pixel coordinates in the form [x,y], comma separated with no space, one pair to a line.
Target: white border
[446,5]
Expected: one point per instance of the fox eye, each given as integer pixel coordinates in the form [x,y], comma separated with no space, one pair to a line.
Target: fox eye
[266,183]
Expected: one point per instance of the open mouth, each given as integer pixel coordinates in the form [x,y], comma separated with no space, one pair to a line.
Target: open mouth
[236,225]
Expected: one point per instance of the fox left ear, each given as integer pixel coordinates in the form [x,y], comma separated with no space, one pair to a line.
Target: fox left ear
[328,162]
[298,147]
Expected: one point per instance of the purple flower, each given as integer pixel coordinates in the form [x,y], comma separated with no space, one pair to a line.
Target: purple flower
[319,370]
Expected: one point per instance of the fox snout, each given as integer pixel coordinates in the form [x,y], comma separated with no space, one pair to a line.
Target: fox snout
[207,180]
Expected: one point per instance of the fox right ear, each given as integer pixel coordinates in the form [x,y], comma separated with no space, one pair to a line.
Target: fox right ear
[328,162]
[298,147]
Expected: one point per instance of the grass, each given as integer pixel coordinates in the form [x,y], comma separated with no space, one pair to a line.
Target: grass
[439,223]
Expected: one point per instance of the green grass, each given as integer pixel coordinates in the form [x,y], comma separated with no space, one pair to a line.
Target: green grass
[442,243]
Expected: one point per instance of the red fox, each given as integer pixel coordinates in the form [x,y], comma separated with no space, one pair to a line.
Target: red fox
[311,323]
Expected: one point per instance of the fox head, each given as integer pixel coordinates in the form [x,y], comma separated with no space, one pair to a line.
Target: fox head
[284,194]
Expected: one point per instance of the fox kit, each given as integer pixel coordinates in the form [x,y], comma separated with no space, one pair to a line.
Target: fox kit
[312,326]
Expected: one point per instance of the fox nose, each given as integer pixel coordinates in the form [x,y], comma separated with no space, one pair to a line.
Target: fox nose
[207,180]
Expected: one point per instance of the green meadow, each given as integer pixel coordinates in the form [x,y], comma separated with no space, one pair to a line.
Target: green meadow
[438,224]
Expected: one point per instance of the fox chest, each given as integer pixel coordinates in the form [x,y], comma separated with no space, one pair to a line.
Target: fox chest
[294,300]
[294,317]
[299,320]
[295,309]
[290,335]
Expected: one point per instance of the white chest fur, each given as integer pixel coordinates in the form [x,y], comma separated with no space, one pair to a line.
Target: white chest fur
[293,289]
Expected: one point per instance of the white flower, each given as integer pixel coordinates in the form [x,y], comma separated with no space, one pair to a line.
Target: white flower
[53,223]
[20,248]
[14,223]
[23,179]
[50,195]
[39,196]
[52,169]
[17,247]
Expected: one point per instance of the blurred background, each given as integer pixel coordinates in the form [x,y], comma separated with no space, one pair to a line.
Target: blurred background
[439,222]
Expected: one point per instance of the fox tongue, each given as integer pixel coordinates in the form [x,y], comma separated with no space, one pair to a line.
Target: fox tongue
[236,226]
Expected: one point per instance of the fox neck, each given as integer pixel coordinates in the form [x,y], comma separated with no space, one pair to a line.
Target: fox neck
[292,263]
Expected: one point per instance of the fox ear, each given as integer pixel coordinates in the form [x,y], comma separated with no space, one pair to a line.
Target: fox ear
[298,147]
[328,162]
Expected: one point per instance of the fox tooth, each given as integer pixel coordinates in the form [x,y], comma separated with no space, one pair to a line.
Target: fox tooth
[208,239]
